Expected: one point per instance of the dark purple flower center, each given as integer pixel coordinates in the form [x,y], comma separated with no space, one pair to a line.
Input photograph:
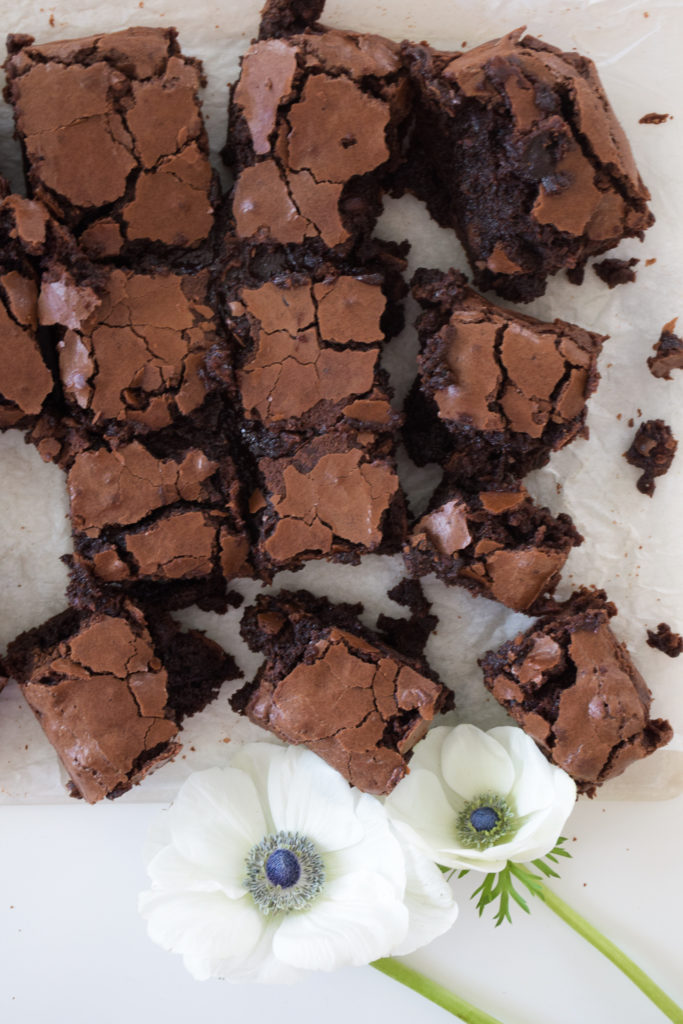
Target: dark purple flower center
[283,868]
[483,819]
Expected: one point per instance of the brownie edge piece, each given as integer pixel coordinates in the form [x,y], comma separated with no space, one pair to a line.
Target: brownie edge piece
[573,688]
[332,686]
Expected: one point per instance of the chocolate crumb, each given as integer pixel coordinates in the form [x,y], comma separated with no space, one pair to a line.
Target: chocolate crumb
[614,271]
[652,450]
[648,263]
[654,118]
[409,636]
[668,353]
[665,640]
[631,422]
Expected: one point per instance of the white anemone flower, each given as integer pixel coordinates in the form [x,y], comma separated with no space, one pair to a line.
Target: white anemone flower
[274,866]
[476,800]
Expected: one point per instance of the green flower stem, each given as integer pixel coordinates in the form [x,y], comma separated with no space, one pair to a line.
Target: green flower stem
[443,997]
[612,952]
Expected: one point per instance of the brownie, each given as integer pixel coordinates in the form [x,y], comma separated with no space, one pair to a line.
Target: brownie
[614,272]
[155,519]
[665,640]
[497,544]
[336,496]
[515,146]
[652,450]
[572,686]
[309,353]
[668,352]
[316,123]
[337,688]
[113,139]
[497,391]
[110,691]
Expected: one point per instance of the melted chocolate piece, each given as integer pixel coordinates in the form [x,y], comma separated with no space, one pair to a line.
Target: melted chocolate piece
[668,353]
[336,688]
[516,147]
[114,140]
[497,544]
[572,686]
[614,272]
[665,640]
[652,450]
[110,691]
[497,391]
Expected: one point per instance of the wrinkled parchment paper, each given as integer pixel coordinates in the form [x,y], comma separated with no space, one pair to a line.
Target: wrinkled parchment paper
[633,544]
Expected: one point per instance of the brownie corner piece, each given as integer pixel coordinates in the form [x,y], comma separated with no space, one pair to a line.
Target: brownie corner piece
[335,687]
[574,689]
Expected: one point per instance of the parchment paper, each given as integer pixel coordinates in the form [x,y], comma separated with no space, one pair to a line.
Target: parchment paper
[633,547]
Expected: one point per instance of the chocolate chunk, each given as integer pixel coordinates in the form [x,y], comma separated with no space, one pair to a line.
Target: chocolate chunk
[614,272]
[113,138]
[668,353]
[516,147]
[110,691]
[665,640]
[652,450]
[497,544]
[497,391]
[573,687]
[337,688]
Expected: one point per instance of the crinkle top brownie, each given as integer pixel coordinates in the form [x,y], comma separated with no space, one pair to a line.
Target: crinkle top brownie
[337,688]
[110,690]
[315,125]
[114,139]
[497,391]
[573,687]
[497,544]
[516,146]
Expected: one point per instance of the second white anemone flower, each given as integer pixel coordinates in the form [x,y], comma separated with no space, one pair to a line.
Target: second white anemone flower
[274,866]
[476,800]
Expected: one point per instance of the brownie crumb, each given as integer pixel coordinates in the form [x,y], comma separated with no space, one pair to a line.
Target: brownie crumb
[648,263]
[665,640]
[668,352]
[409,636]
[652,450]
[654,118]
[614,272]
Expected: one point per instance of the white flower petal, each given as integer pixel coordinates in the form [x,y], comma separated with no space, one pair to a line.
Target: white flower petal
[431,906]
[306,795]
[419,802]
[427,753]
[533,786]
[216,819]
[171,871]
[260,965]
[378,850]
[202,924]
[258,760]
[474,763]
[358,919]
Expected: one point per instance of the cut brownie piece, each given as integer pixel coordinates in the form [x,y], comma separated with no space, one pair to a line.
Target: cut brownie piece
[150,518]
[615,272]
[113,138]
[665,640]
[668,352]
[110,691]
[337,688]
[497,544]
[516,147]
[336,497]
[497,391]
[310,354]
[138,362]
[652,450]
[316,119]
[573,687]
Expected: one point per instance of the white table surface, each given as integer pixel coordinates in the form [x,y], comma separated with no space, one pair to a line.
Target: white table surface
[74,951]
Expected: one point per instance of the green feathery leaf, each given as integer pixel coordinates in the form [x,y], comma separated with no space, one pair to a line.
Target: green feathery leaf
[500,887]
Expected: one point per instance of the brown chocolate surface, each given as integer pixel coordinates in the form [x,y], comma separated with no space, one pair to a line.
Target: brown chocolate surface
[497,544]
[114,139]
[525,159]
[652,450]
[668,352]
[339,691]
[573,687]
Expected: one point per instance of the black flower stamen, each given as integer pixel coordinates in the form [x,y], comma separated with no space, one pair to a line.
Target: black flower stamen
[486,821]
[284,872]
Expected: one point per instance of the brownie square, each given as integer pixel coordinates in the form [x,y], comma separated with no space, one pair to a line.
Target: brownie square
[337,688]
[113,139]
[336,497]
[497,544]
[572,686]
[516,147]
[110,691]
[497,391]
[316,120]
